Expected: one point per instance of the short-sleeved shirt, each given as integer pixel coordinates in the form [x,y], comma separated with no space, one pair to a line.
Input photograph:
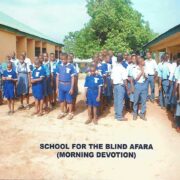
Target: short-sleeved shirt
[130,69]
[9,74]
[53,67]
[172,68]
[23,68]
[100,69]
[47,67]
[119,74]
[136,71]
[93,82]
[125,64]
[38,73]
[165,73]
[65,72]
[159,69]
[151,66]
[177,74]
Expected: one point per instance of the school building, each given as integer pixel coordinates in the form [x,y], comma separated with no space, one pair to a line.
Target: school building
[18,37]
[167,42]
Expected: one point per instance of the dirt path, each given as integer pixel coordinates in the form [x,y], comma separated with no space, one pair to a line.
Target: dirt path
[21,134]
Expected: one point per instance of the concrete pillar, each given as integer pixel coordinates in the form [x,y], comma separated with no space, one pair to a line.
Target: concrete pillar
[31,49]
[157,56]
[21,45]
[50,48]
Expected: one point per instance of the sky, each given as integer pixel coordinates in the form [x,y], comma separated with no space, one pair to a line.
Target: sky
[56,18]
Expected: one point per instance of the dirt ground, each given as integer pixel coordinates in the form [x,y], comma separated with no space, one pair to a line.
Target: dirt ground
[21,135]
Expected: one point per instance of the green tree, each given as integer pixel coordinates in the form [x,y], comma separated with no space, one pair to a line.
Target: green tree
[114,25]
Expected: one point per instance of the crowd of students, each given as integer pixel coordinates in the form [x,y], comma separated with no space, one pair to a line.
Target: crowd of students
[124,80]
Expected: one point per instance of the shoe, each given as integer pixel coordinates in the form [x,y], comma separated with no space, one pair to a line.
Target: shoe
[88,121]
[134,117]
[142,116]
[122,119]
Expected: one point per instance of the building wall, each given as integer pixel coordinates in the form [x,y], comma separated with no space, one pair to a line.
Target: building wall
[21,45]
[31,49]
[7,44]
[50,48]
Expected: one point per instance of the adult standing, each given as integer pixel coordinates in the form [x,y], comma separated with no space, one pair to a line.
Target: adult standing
[152,72]
[119,78]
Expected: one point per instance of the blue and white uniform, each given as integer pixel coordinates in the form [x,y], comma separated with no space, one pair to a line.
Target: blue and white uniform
[140,90]
[65,73]
[54,67]
[47,79]
[23,71]
[37,88]
[9,85]
[93,83]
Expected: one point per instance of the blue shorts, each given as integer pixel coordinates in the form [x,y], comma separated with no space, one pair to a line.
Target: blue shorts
[37,90]
[92,94]
[47,89]
[64,95]
[54,83]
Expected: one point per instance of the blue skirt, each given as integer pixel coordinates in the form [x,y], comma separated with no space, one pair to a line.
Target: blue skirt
[37,90]
[23,84]
[8,91]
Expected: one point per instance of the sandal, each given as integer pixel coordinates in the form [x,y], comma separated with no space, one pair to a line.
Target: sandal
[40,114]
[61,115]
[70,116]
[88,121]
[21,107]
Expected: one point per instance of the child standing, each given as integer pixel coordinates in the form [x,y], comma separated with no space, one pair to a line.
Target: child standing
[65,86]
[1,84]
[23,84]
[37,87]
[9,78]
[93,86]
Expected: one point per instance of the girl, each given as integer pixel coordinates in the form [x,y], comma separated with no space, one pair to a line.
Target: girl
[37,87]
[92,85]
[9,78]
[23,74]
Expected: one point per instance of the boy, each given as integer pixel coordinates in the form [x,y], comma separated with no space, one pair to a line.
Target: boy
[37,87]
[9,78]
[140,89]
[92,86]
[65,86]
[152,71]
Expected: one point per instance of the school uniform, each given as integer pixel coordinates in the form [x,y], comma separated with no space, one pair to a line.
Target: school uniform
[76,70]
[37,88]
[118,75]
[125,64]
[23,71]
[28,62]
[53,71]
[65,73]
[172,99]
[93,83]
[15,62]
[177,114]
[107,74]
[151,67]
[47,79]
[113,61]
[140,90]
[165,82]
[1,81]
[130,76]
[9,85]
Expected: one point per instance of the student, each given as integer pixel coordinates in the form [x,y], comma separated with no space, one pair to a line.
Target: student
[23,83]
[53,63]
[14,60]
[119,78]
[47,83]
[125,60]
[37,87]
[27,61]
[65,86]
[1,84]
[177,91]
[140,89]
[9,78]
[152,71]
[106,66]
[4,64]
[165,73]
[92,86]
[76,69]
[131,65]
[113,59]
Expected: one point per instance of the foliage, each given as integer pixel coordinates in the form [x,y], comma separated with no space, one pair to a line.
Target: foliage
[114,25]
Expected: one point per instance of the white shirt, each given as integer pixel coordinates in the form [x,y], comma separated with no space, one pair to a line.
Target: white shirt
[136,71]
[15,61]
[151,66]
[28,61]
[172,68]
[119,74]
[114,61]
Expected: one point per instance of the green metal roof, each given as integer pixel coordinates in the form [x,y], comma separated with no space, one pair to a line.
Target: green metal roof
[168,33]
[10,24]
